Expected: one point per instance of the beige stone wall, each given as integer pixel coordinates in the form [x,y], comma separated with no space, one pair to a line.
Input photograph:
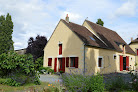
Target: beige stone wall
[72,46]
[21,52]
[109,63]
[134,46]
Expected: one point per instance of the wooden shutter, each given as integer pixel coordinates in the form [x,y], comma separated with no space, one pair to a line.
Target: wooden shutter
[121,63]
[49,61]
[76,62]
[67,61]
[127,62]
[137,52]
[60,49]
[55,66]
[63,64]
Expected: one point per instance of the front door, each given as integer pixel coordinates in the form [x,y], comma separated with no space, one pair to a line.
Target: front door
[61,64]
[124,63]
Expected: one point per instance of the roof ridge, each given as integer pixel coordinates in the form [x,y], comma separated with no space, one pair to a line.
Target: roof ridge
[101,26]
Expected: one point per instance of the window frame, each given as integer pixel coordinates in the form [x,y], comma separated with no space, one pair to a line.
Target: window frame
[75,62]
[101,62]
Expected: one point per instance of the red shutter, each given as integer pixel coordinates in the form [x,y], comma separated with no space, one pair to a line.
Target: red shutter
[76,62]
[67,61]
[63,64]
[49,61]
[127,62]
[137,52]
[60,49]
[121,63]
[55,66]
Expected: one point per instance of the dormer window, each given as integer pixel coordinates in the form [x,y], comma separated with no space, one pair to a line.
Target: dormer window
[60,49]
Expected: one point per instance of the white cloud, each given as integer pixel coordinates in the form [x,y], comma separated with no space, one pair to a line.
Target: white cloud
[127,9]
[32,17]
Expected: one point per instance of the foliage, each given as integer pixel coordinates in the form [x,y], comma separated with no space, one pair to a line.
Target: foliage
[36,46]
[100,22]
[61,72]
[19,68]
[83,83]
[134,80]
[43,70]
[117,83]
[38,63]
[6,30]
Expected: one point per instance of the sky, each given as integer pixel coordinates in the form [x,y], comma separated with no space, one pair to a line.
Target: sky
[40,17]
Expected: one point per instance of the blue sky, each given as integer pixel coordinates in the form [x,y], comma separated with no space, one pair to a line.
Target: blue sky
[32,17]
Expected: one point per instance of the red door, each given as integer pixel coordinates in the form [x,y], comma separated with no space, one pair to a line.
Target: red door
[127,63]
[62,64]
[121,63]
[55,66]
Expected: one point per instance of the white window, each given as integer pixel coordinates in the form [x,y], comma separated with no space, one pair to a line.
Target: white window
[100,62]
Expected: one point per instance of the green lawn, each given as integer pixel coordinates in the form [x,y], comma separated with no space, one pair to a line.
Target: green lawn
[25,88]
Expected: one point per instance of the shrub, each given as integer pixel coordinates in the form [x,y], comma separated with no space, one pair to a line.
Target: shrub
[11,82]
[38,63]
[19,68]
[83,83]
[43,69]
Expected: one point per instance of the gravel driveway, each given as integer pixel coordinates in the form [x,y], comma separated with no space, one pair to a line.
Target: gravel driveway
[50,78]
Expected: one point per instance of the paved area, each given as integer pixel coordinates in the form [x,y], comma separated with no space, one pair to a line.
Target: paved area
[50,78]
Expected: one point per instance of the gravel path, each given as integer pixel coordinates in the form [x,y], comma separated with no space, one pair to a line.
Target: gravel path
[50,78]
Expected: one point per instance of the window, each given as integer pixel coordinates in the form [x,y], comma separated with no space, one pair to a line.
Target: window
[114,56]
[92,38]
[49,61]
[74,62]
[100,62]
[60,49]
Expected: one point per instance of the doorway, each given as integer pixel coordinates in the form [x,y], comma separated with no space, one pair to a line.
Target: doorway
[124,63]
[61,64]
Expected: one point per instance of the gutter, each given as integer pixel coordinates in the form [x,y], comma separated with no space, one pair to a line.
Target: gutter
[84,60]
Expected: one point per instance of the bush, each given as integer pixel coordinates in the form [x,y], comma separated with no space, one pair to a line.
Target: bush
[38,63]
[20,68]
[83,83]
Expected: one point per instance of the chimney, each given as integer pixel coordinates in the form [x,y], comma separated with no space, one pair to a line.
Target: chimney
[131,39]
[67,18]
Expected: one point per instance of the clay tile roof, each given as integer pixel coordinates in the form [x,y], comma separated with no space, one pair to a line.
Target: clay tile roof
[135,41]
[111,38]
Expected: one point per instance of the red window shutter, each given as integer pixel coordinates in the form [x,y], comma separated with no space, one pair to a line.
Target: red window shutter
[63,64]
[49,61]
[55,66]
[127,62]
[137,52]
[60,49]
[121,63]
[67,61]
[76,62]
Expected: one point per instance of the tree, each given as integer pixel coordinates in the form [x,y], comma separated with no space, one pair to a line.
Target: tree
[6,30]
[36,46]
[100,22]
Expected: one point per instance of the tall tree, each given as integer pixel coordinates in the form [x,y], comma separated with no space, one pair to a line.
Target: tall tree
[6,30]
[100,22]
[36,46]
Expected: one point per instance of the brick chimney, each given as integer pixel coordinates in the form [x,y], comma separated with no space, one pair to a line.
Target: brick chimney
[131,39]
[67,18]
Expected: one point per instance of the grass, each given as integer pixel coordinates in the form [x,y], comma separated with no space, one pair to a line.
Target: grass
[26,87]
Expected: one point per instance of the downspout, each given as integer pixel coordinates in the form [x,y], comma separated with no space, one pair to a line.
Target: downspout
[84,60]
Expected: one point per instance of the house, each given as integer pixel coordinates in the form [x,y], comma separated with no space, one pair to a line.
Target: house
[21,51]
[134,45]
[87,49]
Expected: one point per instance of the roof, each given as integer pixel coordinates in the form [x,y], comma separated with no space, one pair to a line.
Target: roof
[111,38]
[134,41]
